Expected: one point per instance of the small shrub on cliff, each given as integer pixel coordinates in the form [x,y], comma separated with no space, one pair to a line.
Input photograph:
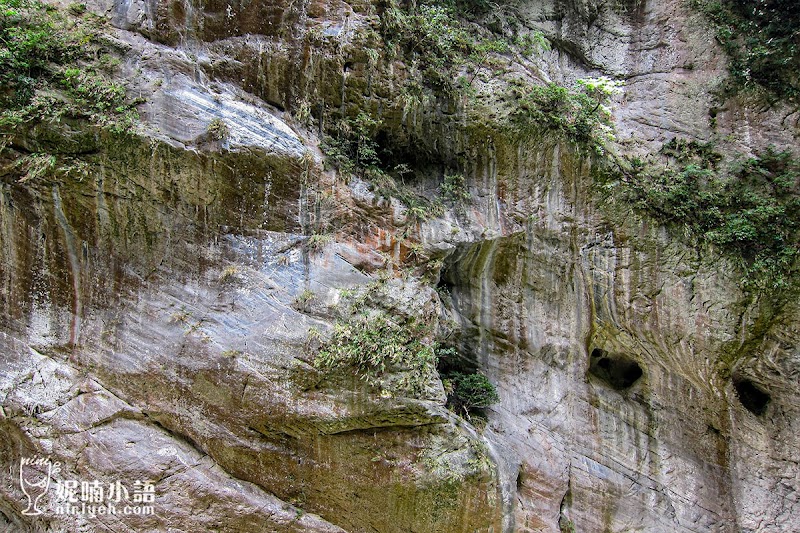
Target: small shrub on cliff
[374,345]
[430,33]
[437,39]
[352,148]
[229,274]
[580,114]
[34,166]
[454,189]
[317,242]
[532,42]
[470,392]
[218,130]
[304,299]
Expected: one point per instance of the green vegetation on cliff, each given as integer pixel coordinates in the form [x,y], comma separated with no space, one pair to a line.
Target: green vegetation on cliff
[761,40]
[468,392]
[56,64]
[435,38]
[580,115]
[749,209]
[352,149]
[464,71]
[373,344]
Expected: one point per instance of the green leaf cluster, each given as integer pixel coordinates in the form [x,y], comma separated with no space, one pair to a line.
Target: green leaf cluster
[470,392]
[437,39]
[352,148]
[218,130]
[580,114]
[54,64]
[454,189]
[373,344]
[431,34]
[762,41]
[750,210]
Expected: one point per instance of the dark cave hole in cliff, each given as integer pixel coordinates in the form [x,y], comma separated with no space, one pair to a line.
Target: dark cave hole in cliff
[444,284]
[618,371]
[424,165]
[753,398]
[453,359]
[393,152]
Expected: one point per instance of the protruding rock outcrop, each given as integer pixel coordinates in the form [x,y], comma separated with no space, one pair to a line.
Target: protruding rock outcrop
[166,292]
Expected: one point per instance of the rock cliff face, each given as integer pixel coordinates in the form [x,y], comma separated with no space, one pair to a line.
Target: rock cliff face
[164,301]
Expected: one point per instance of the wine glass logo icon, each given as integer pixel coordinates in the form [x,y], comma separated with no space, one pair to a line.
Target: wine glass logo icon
[35,474]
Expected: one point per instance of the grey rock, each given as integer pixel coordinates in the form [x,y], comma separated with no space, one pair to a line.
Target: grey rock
[160,316]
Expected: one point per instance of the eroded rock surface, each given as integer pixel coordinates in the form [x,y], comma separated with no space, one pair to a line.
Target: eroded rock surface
[161,309]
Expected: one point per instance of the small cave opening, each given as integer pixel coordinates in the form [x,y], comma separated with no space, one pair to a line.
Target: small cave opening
[617,370]
[448,285]
[444,284]
[753,397]
[414,162]
[455,358]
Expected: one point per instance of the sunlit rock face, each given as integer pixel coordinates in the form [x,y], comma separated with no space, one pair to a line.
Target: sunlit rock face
[162,306]
[609,350]
[152,331]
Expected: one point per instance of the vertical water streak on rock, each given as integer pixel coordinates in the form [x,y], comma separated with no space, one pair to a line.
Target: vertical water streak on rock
[308,69]
[188,22]
[484,273]
[305,225]
[261,79]
[601,261]
[74,266]
[8,249]
[103,217]
[493,220]
[507,484]
[267,194]
[343,107]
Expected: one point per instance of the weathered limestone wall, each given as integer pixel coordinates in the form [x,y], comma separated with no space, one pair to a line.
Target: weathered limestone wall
[666,453]
[152,324]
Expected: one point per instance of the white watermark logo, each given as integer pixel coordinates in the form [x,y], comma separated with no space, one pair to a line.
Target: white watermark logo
[35,474]
[81,497]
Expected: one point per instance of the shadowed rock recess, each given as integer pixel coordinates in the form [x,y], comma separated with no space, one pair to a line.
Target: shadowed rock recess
[241,295]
